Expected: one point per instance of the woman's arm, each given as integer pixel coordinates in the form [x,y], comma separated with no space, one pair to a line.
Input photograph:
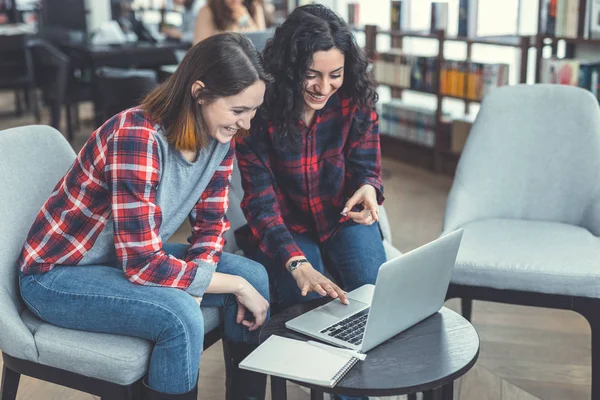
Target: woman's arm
[209,223]
[260,203]
[132,175]
[363,158]
[205,26]
[259,18]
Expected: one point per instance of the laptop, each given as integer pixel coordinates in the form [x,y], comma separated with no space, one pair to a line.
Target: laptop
[408,289]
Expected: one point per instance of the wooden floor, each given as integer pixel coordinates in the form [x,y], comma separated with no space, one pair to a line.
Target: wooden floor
[526,353]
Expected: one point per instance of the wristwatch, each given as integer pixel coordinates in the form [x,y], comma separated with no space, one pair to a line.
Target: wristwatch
[296,263]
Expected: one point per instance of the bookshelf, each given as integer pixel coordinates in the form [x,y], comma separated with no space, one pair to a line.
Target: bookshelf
[543,40]
[438,158]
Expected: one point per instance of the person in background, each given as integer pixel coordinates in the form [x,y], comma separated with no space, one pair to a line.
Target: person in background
[188,25]
[229,15]
[310,166]
[96,257]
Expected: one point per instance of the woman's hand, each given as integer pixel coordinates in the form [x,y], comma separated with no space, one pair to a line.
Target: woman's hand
[367,196]
[249,299]
[309,279]
[239,11]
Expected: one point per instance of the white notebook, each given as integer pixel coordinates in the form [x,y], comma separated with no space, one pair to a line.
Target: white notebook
[310,362]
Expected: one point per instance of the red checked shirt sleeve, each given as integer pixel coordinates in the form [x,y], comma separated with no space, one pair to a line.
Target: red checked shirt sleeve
[132,174]
[261,206]
[208,219]
[363,163]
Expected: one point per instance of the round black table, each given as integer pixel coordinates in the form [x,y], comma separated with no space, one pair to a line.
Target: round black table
[427,357]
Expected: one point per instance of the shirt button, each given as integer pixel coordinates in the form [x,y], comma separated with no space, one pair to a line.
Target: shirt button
[309,137]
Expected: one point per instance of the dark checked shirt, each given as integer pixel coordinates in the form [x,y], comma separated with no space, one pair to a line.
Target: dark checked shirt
[126,193]
[304,190]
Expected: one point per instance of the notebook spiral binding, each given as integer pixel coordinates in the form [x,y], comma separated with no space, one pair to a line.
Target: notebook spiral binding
[344,370]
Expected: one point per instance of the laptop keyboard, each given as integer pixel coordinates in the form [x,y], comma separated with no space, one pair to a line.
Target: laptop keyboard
[351,329]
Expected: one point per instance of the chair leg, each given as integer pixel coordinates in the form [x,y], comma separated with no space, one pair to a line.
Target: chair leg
[10,384]
[27,98]
[448,391]
[589,309]
[76,113]
[70,133]
[434,394]
[18,103]
[116,392]
[35,104]
[466,307]
[55,111]
[316,394]
[595,329]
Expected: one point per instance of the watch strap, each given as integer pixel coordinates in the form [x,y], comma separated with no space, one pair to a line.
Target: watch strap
[297,263]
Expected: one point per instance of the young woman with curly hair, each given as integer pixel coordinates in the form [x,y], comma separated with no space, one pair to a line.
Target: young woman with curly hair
[310,165]
[229,15]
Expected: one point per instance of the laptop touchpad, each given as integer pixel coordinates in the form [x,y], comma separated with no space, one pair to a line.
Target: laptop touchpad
[339,310]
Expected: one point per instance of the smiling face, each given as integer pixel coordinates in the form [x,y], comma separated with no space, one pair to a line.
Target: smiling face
[224,116]
[323,78]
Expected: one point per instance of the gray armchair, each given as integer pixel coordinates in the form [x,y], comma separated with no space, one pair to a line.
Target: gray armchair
[527,194]
[32,160]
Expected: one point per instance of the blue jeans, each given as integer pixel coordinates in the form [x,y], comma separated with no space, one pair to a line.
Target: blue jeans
[101,299]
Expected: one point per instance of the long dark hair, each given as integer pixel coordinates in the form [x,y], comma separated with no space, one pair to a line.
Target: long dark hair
[288,55]
[223,16]
[227,63]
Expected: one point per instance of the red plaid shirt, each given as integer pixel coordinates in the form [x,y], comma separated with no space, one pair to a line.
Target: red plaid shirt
[304,190]
[116,175]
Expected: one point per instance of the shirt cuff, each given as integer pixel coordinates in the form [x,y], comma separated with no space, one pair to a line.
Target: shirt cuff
[376,183]
[204,273]
[289,251]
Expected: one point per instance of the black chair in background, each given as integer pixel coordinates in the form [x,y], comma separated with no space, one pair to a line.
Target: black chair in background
[16,71]
[123,88]
[59,85]
[51,71]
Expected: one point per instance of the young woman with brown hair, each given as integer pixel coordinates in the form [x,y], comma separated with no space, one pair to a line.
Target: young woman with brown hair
[96,257]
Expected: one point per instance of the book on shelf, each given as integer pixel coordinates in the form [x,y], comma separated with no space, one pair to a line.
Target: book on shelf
[439,16]
[472,81]
[353,14]
[560,71]
[398,15]
[594,19]
[462,79]
[548,17]
[467,18]
[588,76]
[395,68]
[560,18]
[572,72]
[410,122]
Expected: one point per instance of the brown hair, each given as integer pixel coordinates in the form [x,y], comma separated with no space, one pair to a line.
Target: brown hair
[223,16]
[227,63]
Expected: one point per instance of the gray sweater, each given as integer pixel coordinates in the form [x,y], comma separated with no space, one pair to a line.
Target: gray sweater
[181,185]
